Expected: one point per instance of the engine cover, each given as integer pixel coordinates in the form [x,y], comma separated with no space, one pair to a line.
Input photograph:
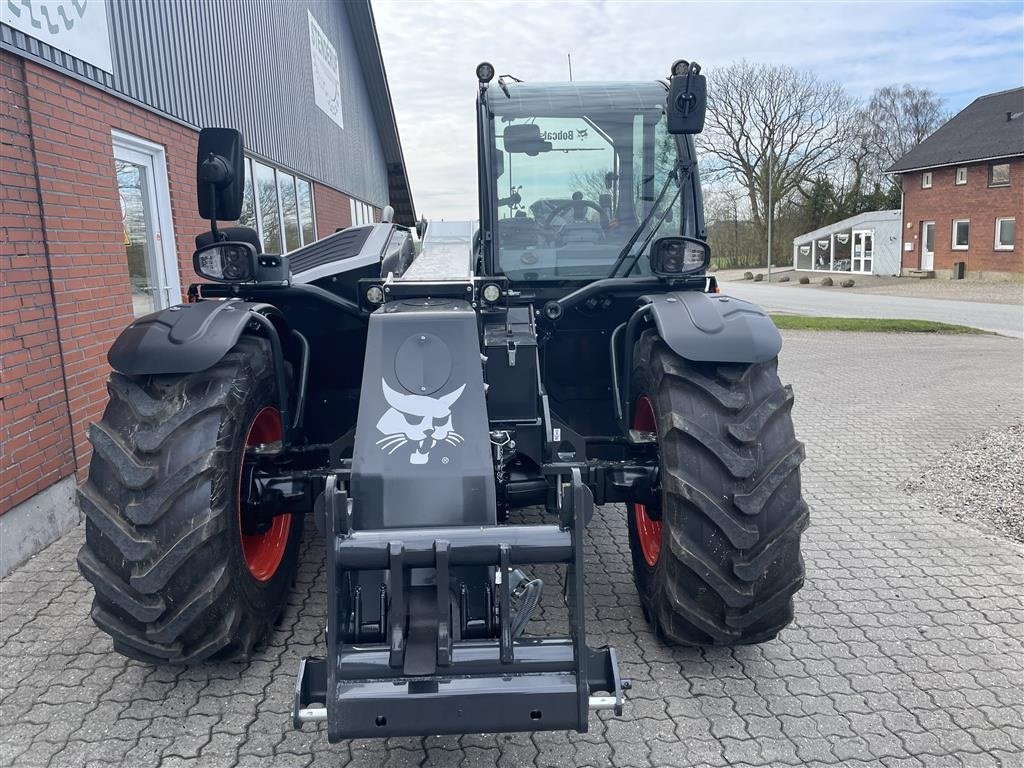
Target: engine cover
[422,450]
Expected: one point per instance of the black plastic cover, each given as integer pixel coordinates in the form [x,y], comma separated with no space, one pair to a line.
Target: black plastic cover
[511,349]
[337,247]
[183,339]
[422,450]
[711,328]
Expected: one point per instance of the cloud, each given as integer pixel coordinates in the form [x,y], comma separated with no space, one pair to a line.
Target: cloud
[960,50]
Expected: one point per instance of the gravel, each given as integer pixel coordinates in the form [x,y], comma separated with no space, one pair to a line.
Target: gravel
[979,481]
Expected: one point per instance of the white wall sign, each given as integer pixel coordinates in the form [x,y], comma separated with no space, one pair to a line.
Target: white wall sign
[326,73]
[77,27]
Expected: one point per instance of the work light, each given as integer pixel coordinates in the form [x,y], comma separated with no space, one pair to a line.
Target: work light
[485,72]
[491,293]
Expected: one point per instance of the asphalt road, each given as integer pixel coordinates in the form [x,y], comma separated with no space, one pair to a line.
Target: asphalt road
[907,650]
[1005,319]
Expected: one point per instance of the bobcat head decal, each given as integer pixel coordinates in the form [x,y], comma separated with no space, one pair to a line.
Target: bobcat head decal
[418,419]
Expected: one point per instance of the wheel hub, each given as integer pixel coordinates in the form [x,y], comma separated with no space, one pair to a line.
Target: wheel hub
[264,548]
[648,522]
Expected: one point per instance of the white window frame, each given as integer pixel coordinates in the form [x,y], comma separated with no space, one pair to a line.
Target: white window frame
[130,148]
[998,245]
[280,208]
[961,176]
[312,207]
[953,244]
[361,213]
[926,180]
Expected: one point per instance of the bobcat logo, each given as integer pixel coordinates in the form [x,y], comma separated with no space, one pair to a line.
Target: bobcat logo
[425,421]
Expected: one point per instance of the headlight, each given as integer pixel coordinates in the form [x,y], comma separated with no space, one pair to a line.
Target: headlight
[230,262]
[375,295]
[673,256]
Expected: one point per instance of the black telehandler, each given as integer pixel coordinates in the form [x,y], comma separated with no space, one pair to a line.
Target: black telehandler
[567,350]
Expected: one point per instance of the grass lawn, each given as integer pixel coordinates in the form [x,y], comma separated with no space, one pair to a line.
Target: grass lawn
[878,325]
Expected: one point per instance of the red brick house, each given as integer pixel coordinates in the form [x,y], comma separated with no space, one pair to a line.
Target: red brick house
[98,133]
[963,194]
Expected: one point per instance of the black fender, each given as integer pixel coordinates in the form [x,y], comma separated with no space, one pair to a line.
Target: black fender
[187,338]
[700,327]
[708,327]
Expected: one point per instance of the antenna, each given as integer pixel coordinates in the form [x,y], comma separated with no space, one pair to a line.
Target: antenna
[569,57]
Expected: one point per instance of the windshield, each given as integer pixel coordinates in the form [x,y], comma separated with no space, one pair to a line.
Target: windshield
[578,170]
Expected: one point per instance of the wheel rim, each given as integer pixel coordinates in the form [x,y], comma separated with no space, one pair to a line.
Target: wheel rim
[648,530]
[263,552]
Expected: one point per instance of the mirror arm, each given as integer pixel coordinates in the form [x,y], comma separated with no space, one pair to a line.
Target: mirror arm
[213,206]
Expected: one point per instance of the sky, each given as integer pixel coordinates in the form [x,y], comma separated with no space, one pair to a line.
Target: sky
[431,49]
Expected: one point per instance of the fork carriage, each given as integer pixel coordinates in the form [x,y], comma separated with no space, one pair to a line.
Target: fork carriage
[441,672]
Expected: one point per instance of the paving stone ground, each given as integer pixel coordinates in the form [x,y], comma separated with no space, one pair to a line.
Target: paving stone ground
[907,650]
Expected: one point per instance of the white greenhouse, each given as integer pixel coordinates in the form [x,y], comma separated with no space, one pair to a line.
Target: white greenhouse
[866,244]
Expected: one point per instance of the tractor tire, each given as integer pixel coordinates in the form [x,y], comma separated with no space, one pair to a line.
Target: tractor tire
[175,579]
[719,563]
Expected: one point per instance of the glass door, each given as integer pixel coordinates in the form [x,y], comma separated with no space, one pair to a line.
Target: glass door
[149,247]
[863,251]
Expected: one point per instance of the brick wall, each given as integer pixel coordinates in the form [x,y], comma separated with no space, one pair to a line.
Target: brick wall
[65,291]
[975,200]
[333,210]
[71,126]
[35,433]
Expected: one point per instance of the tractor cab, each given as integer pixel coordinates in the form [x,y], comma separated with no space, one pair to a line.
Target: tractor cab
[578,182]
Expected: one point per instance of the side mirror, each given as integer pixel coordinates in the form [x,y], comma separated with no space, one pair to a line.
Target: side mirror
[499,163]
[220,174]
[678,256]
[525,139]
[687,98]
[226,262]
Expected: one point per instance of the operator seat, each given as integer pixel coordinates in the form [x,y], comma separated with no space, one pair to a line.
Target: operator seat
[520,231]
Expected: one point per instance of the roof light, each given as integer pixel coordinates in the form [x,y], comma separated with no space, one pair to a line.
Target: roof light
[485,72]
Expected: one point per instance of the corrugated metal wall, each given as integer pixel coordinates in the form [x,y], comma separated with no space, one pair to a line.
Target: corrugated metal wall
[243,65]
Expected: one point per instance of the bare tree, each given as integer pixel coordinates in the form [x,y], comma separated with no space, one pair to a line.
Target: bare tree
[896,119]
[775,127]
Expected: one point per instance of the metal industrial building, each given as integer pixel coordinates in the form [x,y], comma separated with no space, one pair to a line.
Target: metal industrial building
[102,102]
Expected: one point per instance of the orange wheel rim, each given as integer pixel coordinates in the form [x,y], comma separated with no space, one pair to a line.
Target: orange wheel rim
[263,552]
[648,530]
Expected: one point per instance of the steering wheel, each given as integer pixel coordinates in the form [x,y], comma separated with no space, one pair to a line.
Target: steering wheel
[572,204]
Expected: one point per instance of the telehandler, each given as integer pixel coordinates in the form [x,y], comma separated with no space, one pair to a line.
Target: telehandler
[568,349]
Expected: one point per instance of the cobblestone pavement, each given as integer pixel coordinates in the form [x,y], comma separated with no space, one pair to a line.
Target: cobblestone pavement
[908,648]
